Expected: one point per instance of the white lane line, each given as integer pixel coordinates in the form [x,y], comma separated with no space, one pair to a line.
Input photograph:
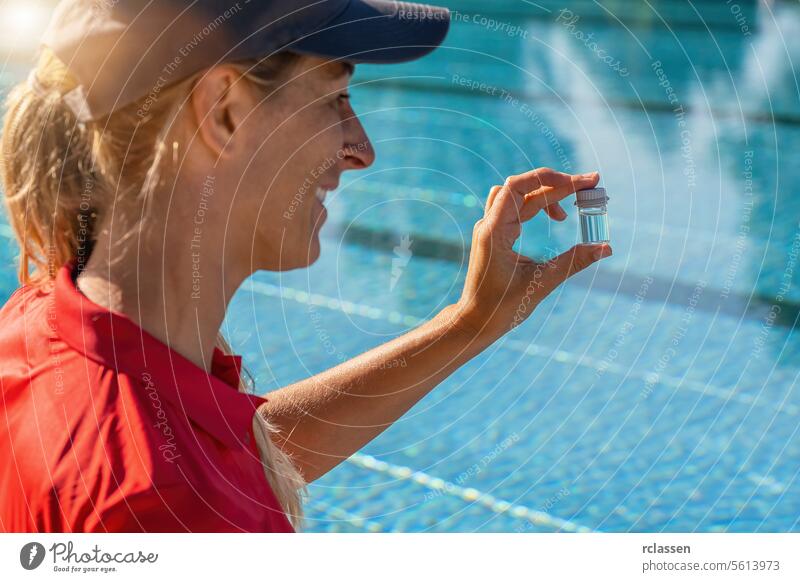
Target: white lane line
[561,356]
[467,494]
[337,514]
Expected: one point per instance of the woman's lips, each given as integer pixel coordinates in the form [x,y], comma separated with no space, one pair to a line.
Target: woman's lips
[321,214]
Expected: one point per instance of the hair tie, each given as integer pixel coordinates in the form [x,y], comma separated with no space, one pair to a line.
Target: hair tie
[74,99]
[38,88]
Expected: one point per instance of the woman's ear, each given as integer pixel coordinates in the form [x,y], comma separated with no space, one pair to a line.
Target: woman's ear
[220,102]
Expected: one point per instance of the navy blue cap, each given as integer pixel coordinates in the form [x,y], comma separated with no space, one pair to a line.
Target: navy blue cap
[124,50]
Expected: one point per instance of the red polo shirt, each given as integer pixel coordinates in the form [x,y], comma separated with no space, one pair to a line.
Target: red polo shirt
[105,428]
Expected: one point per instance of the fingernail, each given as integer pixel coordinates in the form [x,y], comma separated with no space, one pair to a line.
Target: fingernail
[589,175]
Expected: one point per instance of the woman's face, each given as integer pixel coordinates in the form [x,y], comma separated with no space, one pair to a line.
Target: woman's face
[299,140]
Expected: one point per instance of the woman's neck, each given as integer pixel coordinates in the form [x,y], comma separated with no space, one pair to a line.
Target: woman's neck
[173,286]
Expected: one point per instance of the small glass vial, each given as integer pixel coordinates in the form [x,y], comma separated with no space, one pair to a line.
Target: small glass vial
[593,214]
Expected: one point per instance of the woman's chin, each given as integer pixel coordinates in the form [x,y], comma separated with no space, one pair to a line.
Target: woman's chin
[298,257]
[314,251]
[302,259]
[318,220]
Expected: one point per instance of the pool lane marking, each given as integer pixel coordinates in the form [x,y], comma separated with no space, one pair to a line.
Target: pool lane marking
[468,494]
[740,300]
[649,377]
[341,515]
[754,306]
[560,356]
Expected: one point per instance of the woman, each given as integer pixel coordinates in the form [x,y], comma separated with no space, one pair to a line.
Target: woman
[143,200]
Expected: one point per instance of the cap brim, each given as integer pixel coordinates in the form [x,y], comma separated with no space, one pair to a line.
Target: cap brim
[378,31]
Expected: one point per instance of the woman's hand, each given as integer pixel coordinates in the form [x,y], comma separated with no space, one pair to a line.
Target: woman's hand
[503,287]
[328,417]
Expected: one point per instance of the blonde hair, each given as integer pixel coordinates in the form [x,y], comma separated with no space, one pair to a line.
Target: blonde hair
[59,176]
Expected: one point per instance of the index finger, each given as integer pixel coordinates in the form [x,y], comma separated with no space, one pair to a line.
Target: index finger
[560,187]
[526,194]
[535,179]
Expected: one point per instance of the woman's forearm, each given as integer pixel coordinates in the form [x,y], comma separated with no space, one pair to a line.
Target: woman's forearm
[328,417]
[325,419]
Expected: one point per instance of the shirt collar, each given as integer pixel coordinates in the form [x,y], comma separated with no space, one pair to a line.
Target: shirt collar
[213,401]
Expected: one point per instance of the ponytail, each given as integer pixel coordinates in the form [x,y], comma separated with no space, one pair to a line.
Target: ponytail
[48,175]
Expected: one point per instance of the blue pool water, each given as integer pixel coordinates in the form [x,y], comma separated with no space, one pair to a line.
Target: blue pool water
[654,392]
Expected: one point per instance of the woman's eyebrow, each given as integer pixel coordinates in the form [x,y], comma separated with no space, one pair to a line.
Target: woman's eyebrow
[336,70]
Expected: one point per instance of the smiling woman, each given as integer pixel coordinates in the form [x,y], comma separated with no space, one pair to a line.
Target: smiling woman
[125,290]
[119,155]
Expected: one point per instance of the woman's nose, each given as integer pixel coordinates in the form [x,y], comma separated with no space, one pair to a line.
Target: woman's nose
[359,155]
[358,150]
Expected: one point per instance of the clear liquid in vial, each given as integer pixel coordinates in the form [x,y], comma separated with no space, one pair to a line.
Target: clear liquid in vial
[594,225]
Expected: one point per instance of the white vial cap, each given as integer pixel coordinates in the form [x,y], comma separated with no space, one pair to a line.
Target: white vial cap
[591,197]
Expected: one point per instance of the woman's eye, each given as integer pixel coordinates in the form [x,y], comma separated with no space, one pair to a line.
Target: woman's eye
[339,101]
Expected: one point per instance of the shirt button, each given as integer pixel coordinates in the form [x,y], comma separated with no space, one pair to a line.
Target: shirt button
[247,438]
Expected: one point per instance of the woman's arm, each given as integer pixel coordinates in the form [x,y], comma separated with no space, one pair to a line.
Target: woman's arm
[326,418]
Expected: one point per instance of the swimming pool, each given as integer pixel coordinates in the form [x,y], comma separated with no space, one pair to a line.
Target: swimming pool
[655,392]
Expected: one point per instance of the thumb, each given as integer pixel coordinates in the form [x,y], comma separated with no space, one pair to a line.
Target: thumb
[576,260]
